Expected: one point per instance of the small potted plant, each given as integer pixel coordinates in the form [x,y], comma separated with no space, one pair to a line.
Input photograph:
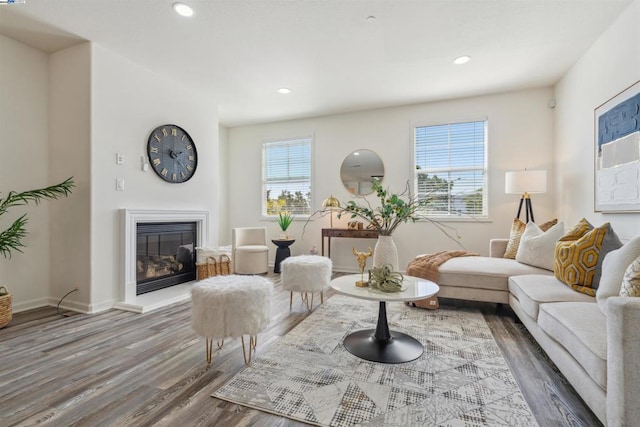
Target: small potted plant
[284,220]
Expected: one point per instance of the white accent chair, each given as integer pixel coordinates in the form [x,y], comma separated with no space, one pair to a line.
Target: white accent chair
[249,250]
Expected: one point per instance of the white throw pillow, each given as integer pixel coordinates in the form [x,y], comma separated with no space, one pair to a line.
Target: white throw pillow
[537,247]
[613,268]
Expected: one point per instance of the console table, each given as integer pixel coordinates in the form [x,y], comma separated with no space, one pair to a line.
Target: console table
[343,232]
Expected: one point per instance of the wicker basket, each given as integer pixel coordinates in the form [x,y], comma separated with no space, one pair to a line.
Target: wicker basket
[224,265]
[5,308]
[213,267]
[206,269]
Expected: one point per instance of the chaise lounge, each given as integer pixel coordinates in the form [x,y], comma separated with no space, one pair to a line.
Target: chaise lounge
[594,341]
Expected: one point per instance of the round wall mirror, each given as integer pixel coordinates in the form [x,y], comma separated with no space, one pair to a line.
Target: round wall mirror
[358,171]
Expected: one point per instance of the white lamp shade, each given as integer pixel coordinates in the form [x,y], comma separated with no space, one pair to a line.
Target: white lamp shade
[519,182]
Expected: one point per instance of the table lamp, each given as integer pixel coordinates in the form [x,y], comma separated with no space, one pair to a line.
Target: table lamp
[331,203]
[526,183]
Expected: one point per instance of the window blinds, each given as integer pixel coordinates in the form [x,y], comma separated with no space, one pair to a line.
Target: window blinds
[450,162]
[287,177]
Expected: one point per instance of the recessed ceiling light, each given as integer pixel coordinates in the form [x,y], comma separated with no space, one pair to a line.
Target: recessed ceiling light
[462,59]
[371,18]
[284,90]
[182,9]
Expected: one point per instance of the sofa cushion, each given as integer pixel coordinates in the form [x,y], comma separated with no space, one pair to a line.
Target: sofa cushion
[613,268]
[631,281]
[252,248]
[581,328]
[578,263]
[534,290]
[483,272]
[537,246]
[517,228]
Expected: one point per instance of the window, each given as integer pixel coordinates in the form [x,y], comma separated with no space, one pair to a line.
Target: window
[451,168]
[286,177]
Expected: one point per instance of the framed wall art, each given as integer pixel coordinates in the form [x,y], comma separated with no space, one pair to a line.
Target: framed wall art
[617,152]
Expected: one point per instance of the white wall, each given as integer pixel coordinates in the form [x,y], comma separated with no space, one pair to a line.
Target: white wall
[23,147]
[224,232]
[609,66]
[128,102]
[70,143]
[68,114]
[520,135]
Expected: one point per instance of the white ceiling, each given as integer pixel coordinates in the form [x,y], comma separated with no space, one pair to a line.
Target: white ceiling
[239,52]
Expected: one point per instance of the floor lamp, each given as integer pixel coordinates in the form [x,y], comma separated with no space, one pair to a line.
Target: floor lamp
[526,183]
[331,203]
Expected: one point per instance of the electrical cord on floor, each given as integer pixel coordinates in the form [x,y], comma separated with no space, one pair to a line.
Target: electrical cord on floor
[60,302]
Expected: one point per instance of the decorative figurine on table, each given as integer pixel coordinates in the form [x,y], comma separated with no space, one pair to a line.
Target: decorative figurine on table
[354,225]
[362,263]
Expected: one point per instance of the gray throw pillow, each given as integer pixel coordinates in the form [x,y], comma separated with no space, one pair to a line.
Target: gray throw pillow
[613,268]
[610,243]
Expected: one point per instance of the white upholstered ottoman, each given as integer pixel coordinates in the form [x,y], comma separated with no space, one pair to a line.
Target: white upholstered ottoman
[231,306]
[306,274]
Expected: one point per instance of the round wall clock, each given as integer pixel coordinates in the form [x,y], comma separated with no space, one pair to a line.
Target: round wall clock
[172,153]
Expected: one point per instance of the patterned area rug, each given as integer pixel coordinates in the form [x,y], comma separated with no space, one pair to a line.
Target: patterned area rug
[460,380]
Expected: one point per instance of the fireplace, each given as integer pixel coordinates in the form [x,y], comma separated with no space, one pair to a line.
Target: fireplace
[130,298]
[165,255]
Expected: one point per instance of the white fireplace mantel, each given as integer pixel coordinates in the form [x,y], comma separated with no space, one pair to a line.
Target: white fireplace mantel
[130,218]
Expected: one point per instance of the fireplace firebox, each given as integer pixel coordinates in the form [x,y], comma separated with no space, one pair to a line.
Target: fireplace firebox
[165,255]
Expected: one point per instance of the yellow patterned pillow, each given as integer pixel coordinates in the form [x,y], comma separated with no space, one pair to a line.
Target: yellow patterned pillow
[631,280]
[517,228]
[576,260]
[578,230]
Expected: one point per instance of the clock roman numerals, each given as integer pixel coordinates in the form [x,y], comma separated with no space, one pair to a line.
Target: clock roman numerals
[172,153]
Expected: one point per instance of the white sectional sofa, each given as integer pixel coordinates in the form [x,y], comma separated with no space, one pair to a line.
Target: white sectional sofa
[595,342]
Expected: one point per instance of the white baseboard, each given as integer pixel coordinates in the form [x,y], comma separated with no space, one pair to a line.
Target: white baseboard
[67,305]
[348,268]
[30,305]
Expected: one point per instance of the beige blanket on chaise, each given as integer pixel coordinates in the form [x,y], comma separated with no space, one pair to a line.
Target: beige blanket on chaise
[426,267]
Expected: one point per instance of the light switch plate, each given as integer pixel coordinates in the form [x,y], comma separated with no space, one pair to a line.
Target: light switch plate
[119,184]
[119,159]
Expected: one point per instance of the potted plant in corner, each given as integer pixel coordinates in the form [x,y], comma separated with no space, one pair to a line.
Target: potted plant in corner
[11,238]
[284,220]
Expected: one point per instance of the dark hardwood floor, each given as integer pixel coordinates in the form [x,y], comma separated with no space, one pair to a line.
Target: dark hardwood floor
[125,369]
